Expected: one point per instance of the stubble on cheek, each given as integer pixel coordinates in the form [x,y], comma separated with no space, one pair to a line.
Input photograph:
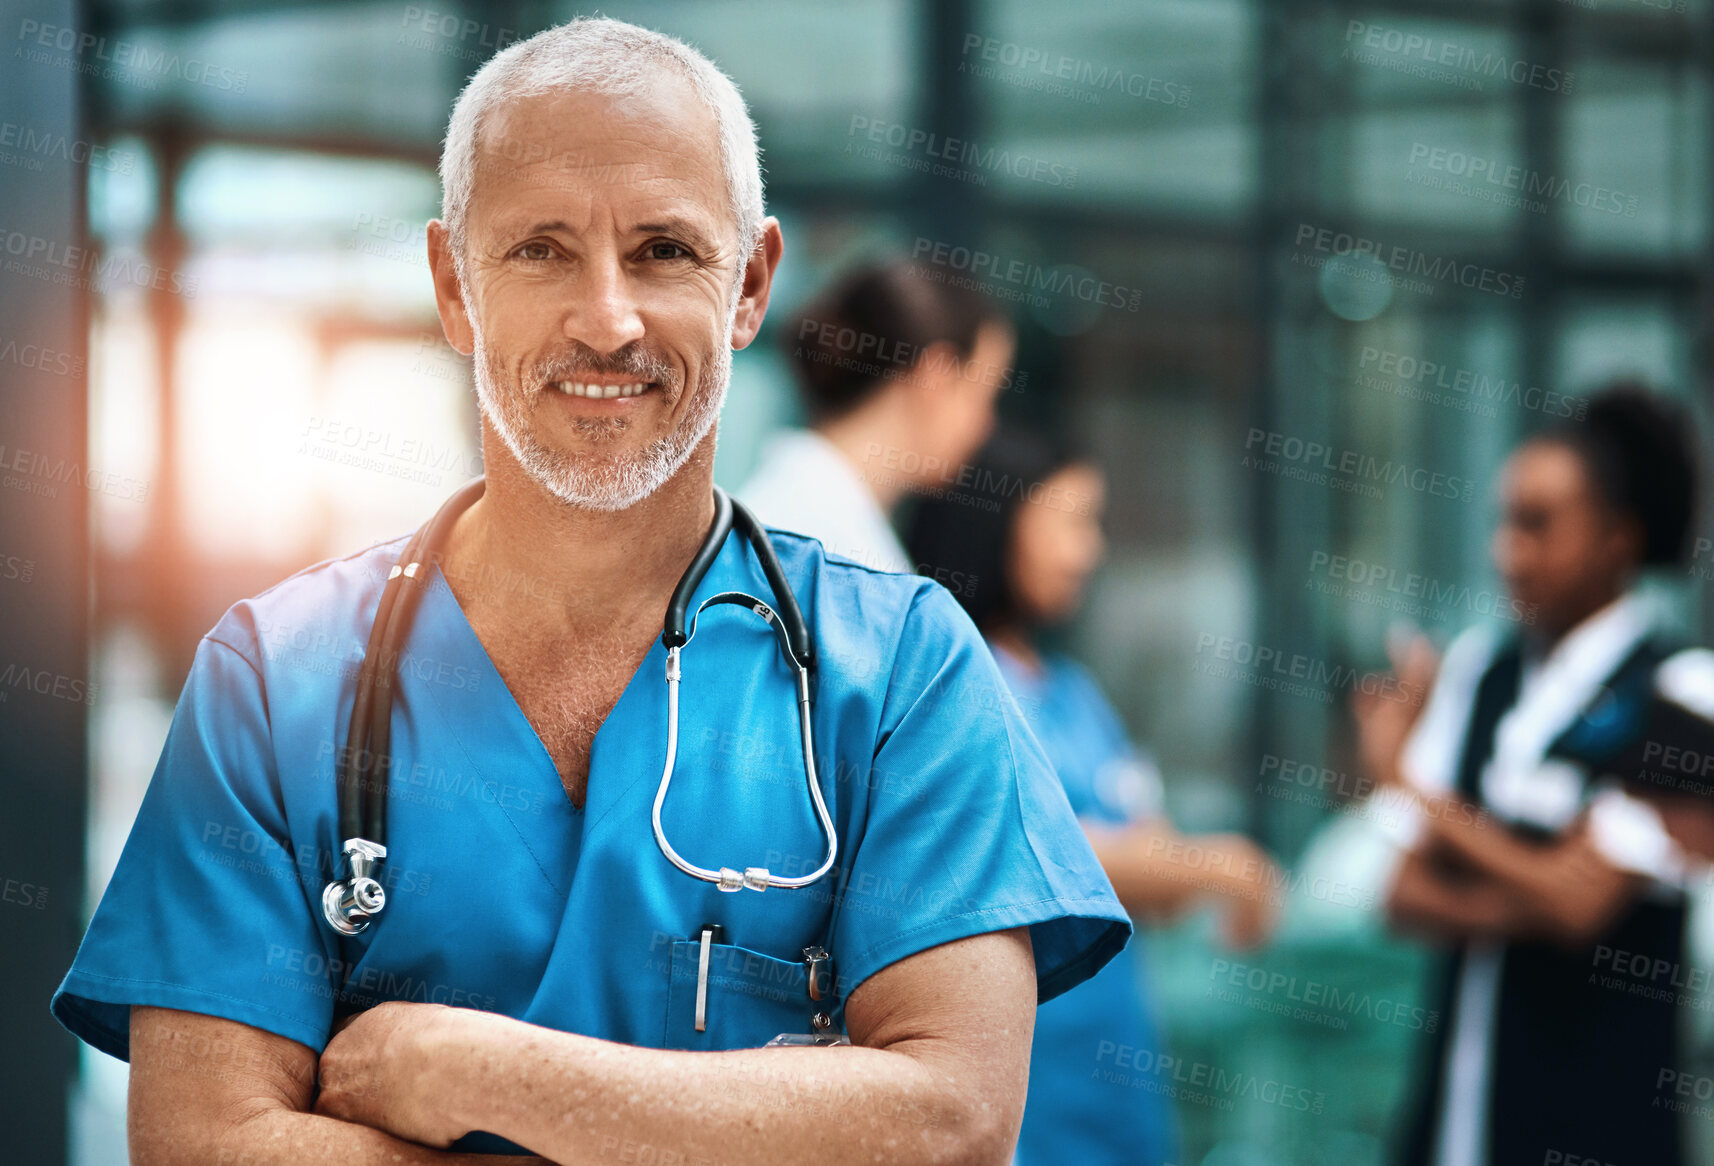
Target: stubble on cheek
[544,435]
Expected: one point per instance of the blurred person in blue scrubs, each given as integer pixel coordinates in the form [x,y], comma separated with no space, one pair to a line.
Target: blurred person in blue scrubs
[1017,546]
[543,979]
[898,372]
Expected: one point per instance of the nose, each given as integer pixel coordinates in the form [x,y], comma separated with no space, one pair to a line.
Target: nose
[604,311]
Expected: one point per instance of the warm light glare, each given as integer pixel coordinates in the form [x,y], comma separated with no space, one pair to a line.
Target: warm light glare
[246,382]
[124,422]
[391,436]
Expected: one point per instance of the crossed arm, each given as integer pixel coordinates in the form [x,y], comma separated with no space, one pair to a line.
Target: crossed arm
[1471,877]
[1469,880]
[937,1072]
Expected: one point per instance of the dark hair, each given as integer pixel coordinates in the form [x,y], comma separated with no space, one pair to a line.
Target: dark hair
[873,324]
[962,536]
[1639,449]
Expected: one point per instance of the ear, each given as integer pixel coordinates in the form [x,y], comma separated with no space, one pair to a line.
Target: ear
[448,295]
[944,366]
[1630,540]
[758,283]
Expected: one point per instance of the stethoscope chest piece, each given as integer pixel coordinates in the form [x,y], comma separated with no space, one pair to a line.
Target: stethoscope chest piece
[350,903]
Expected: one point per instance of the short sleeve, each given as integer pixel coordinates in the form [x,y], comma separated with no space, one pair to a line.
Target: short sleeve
[968,830]
[1686,678]
[207,910]
[1667,758]
[1669,752]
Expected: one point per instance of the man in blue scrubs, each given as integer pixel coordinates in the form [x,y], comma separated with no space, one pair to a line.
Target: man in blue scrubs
[542,979]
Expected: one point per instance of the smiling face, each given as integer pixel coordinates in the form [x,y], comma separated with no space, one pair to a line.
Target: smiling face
[1562,551]
[601,290]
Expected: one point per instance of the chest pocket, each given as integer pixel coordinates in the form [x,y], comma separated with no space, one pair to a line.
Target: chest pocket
[750,998]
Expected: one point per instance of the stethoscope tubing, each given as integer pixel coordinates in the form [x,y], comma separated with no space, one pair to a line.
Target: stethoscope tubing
[362,768]
[751,878]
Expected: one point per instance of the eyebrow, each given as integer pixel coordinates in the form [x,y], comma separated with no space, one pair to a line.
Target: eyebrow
[551,225]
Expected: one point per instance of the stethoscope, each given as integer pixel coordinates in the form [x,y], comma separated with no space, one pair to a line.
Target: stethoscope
[349,904]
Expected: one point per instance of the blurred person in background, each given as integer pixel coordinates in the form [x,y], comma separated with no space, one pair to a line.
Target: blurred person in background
[1551,825]
[898,374]
[1017,549]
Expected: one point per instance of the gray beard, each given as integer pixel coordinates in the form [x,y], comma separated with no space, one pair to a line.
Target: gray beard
[598,480]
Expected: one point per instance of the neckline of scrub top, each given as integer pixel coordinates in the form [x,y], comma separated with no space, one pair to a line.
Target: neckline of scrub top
[446,633]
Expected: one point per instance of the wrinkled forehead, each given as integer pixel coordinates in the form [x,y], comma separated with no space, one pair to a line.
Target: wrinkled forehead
[657,141]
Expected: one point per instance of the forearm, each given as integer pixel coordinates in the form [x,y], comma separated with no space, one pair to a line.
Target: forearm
[208,1090]
[1564,890]
[1134,860]
[574,1099]
[1423,900]
[1496,854]
[938,1072]
[1159,873]
[281,1137]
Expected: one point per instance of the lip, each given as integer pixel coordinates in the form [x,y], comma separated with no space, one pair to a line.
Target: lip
[604,406]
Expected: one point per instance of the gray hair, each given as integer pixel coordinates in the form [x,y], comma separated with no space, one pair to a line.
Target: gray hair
[604,56]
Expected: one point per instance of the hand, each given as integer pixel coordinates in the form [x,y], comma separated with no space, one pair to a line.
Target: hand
[1250,905]
[1159,874]
[1690,822]
[1386,713]
[1249,921]
[1585,892]
[384,1068]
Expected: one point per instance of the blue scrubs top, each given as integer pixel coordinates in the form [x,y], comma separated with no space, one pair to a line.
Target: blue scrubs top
[501,895]
[1082,1108]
